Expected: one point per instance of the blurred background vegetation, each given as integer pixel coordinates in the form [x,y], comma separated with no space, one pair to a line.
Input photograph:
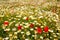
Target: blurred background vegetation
[47,5]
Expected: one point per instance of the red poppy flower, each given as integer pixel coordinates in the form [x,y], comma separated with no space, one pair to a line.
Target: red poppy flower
[39,30]
[46,29]
[31,25]
[19,27]
[27,18]
[6,23]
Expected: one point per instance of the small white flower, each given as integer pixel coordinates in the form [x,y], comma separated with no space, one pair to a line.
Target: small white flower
[6,21]
[10,23]
[27,33]
[32,17]
[39,24]
[31,12]
[21,24]
[41,37]
[35,21]
[50,30]
[18,19]
[14,29]
[16,24]
[24,17]
[26,26]
[58,28]
[41,17]
[40,13]
[18,31]
[56,20]
[48,34]
[55,35]
[14,21]
[50,37]
[31,29]
[58,33]
[22,7]
[3,27]
[32,35]
[10,34]
[15,36]
[35,36]
[22,32]
[42,26]
[35,27]
[7,29]
[14,18]
[15,32]
[26,39]
[6,38]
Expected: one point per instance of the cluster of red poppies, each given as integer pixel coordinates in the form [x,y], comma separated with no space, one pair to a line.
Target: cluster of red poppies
[39,30]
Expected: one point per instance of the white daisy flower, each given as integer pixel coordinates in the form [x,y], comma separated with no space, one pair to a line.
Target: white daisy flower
[26,39]
[27,33]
